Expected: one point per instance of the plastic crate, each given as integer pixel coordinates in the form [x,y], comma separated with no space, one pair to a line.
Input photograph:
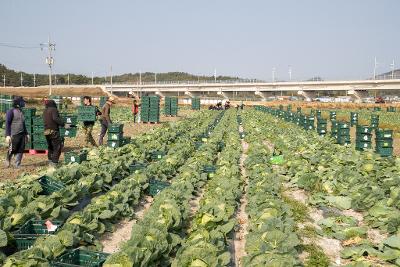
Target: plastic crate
[157,155]
[37,121]
[384,143]
[126,140]
[343,131]
[75,157]
[361,145]
[115,144]
[198,144]
[210,170]
[137,166]
[49,185]
[86,113]
[30,231]
[70,119]
[70,132]
[39,145]
[364,129]
[155,187]
[383,134]
[364,137]
[242,135]
[80,257]
[384,151]
[29,112]
[115,136]
[115,128]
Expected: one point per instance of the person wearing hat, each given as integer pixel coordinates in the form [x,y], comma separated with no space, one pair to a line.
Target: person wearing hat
[105,119]
[16,133]
[52,124]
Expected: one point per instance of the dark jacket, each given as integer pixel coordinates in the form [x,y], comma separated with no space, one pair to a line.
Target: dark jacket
[51,117]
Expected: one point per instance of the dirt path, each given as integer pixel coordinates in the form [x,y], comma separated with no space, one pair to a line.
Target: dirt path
[239,241]
[112,241]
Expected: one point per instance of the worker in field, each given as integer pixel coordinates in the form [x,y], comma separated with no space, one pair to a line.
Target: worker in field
[135,108]
[16,133]
[52,124]
[88,125]
[227,105]
[105,119]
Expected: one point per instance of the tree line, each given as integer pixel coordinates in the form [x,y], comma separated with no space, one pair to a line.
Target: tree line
[13,78]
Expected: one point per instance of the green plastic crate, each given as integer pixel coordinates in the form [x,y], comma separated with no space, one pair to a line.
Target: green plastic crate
[29,112]
[30,231]
[69,132]
[364,137]
[38,138]
[115,136]
[210,170]
[157,155]
[361,145]
[80,257]
[137,166]
[115,144]
[155,187]
[115,128]
[364,129]
[384,151]
[39,145]
[37,121]
[49,185]
[75,157]
[383,134]
[384,143]
[70,119]
[86,113]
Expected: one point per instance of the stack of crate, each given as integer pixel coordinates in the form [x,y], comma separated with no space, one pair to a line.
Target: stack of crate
[377,109]
[171,106]
[332,115]
[150,109]
[38,138]
[308,122]
[6,102]
[391,109]
[343,135]
[70,129]
[374,121]
[298,109]
[353,119]
[29,113]
[116,136]
[195,103]
[322,126]
[384,142]
[363,137]
[334,129]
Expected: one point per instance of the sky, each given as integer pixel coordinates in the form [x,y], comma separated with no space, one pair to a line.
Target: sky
[333,39]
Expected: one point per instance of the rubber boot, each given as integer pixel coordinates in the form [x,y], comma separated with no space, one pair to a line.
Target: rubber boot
[18,159]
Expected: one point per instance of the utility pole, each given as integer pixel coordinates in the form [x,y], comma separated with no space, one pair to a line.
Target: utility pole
[375,66]
[22,80]
[55,79]
[50,61]
[273,74]
[111,78]
[92,77]
[34,80]
[68,79]
[215,75]
[4,80]
[155,78]
[290,73]
[392,67]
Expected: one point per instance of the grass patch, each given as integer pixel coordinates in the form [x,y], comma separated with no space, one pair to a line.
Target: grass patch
[316,258]
[300,210]
[308,231]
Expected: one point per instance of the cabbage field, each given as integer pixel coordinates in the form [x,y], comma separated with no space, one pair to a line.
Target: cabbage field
[241,188]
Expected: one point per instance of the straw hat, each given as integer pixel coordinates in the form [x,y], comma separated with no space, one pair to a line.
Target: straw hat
[111,99]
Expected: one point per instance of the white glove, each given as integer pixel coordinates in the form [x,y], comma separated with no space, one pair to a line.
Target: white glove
[8,139]
[27,138]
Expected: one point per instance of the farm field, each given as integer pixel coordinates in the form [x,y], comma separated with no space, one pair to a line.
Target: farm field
[228,188]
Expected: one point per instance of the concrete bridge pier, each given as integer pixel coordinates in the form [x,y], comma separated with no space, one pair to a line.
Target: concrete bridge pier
[357,94]
[308,95]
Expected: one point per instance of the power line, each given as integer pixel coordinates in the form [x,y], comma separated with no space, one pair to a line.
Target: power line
[21,46]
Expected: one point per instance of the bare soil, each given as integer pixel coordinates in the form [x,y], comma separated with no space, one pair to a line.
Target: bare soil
[239,241]
[112,242]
